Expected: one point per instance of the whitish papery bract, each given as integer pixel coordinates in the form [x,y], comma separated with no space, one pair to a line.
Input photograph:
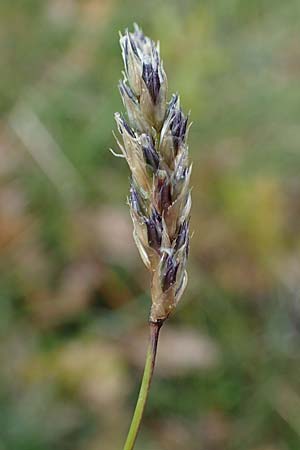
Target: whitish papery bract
[153,141]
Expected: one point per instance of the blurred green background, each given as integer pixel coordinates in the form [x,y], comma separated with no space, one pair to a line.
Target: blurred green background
[73,291]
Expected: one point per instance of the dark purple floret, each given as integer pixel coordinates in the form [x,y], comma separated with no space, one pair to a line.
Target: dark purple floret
[178,128]
[127,128]
[125,90]
[157,218]
[151,79]
[183,234]
[179,176]
[154,230]
[164,195]
[135,200]
[133,46]
[169,276]
[151,156]
[187,246]
[180,171]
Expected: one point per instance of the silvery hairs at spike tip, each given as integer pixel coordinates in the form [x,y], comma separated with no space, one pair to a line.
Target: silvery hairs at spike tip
[153,141]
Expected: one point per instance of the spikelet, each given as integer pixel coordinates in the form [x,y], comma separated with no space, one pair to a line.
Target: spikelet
[153,141]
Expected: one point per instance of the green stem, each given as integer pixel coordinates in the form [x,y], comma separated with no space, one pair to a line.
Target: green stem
[145,386]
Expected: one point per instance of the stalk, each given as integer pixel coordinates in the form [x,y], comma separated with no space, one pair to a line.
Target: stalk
[154,329]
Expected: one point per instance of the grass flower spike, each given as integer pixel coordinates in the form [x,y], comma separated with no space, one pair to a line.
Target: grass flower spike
[153,141]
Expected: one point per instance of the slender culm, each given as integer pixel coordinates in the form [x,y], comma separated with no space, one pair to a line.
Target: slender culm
[153,141]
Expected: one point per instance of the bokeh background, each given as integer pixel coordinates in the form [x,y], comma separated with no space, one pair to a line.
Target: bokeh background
[73,291]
